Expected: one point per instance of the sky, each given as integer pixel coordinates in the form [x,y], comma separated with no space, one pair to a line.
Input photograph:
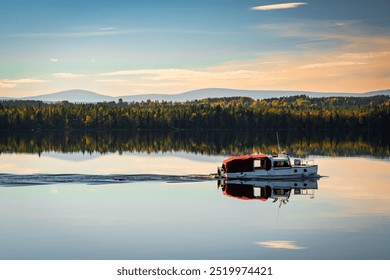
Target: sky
[127,47]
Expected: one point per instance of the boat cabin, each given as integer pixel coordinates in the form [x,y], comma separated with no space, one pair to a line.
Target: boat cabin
[250,163]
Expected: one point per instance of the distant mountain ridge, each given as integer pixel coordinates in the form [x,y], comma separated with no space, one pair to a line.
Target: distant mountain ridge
[85,96]
[73,96]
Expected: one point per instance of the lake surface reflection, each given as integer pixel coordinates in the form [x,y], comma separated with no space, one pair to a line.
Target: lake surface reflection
[343,215]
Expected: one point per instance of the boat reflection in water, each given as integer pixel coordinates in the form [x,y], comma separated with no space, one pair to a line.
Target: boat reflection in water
[275,190]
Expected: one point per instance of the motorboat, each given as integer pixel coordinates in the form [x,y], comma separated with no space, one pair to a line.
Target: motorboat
[262,166]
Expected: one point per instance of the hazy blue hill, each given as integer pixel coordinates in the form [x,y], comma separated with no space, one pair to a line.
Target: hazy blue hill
[74,96]
[378,92]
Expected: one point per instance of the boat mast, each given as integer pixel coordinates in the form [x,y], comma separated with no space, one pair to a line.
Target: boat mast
[277,139]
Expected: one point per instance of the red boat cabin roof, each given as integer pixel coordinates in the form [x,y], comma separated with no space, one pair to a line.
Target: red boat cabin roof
[246,157]
[242,163]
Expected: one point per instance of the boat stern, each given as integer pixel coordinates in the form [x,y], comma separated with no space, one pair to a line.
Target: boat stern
[221,173]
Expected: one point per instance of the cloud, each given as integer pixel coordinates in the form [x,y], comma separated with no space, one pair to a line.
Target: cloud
[312,29]
[9,83]
[347,68]
[328,55]
[23,81]
[54,59]
[67,75]
[365,55]
[182,74]
[178,80]
[289,245]
[278,6]
[139,85]
[331,64]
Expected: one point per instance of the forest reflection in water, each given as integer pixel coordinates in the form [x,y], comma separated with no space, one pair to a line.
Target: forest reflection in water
[301,144]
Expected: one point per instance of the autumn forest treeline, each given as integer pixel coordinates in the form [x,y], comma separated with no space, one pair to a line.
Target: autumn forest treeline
[297,112]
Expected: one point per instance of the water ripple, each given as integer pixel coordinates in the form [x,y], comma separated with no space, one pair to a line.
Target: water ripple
[13,180]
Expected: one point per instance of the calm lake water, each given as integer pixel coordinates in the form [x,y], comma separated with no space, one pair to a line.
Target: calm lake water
[75,205]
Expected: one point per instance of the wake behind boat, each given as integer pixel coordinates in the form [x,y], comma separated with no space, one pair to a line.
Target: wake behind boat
[262,166]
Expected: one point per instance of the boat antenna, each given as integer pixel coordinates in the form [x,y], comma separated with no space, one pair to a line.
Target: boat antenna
[277,139]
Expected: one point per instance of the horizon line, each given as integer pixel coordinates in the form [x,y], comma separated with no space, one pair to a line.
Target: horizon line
[193,90]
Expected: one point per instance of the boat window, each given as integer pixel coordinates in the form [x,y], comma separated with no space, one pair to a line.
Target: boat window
[284,163]
[259,164]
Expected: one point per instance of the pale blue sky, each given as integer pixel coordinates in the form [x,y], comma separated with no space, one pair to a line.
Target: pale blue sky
[122,47]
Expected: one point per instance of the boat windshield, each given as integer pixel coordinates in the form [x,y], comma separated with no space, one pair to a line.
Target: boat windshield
[282,163]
